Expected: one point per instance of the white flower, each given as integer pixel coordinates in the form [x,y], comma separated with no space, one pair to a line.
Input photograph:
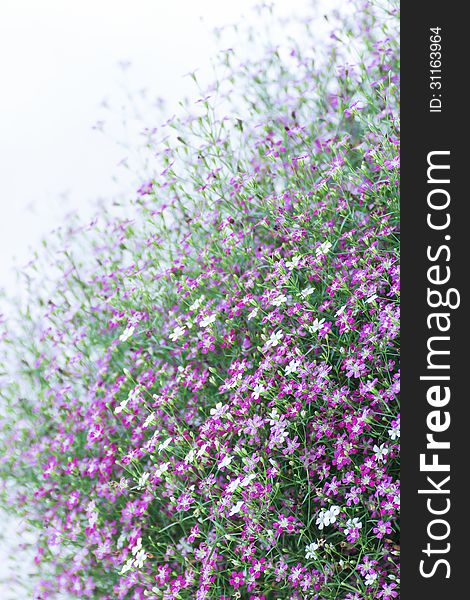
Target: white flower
[307,292]
[206,321]
[323,248]
[273,416]
[253,313]
[310,550]
[258,390]
[293,366]
[352,524]
[121,406]
[127,566]
[394,432]
[148,420]
[137,547]
[370,578]
[190,456]
[143,480]
[274,340]
[316,325]
[340,311]
[164,444]
[140,558]
[281,299]
[126,334]
[333,512]
[247,480]
[225,461]
[201,450]
[232,486]
[321,520]
[371,298]
[380,452]
[197,303]
[162,469]
[326,517]
[177,333]
[293,263]
[219,411]
[236,509]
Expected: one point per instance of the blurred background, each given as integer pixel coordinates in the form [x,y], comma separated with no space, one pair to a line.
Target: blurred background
[67,71]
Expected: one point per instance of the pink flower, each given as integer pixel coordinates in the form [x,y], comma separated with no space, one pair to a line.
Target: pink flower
[237,579]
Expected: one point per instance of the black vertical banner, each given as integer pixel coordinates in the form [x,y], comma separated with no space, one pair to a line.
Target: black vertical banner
[435,269]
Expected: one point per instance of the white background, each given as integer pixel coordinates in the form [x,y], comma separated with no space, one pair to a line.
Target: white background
[59,60]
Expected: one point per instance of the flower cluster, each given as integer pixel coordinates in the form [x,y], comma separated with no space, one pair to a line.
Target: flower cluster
[205,404]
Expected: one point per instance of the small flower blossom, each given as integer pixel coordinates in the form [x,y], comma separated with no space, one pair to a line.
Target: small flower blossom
[394,431]
[294,262]
[380,452]
[370,579]
[316,325]
[281,299]
[274,340]
[225,462]
[382,528]
[220,410]
[258,390]
[327,517]
[237,579]
[388,592]
[127,333]
[236,508]
[177,333]
[208,320]
[310,550]
[293,366]
[164,445]
[306,292]
[324,248]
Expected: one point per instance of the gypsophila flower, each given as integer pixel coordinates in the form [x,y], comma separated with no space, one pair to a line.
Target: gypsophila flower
[310,550]
[177,333]
[382,528]
[316,325]
[197,303]
[236,508]
[281,299]
[258,390]
[306,292]
[388,591]
[354,523]
[380,452]
[219,411]
[370,579]
[324,248]
[164,445]
[294,262]
[208,320]
[327,517]
[293,366]
[394,431]
[127,333]
[274,339]
[225,462]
